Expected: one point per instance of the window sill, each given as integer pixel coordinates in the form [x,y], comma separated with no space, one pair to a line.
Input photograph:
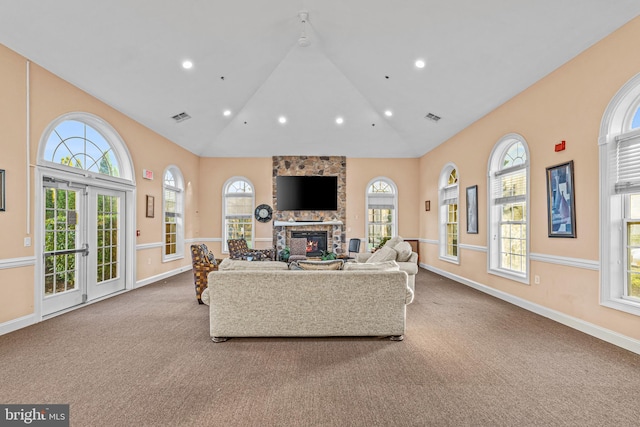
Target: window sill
[622,304]
[522,278]
[455,261]
[172,258]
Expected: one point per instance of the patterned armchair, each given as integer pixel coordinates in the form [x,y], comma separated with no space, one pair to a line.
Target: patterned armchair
[203,263]
[238,249]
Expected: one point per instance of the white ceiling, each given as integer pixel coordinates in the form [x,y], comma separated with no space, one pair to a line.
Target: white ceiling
[128,53]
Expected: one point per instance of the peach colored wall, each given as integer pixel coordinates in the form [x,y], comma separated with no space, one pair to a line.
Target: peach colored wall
[50,97]
[567,105]
[216,171]
[403,173]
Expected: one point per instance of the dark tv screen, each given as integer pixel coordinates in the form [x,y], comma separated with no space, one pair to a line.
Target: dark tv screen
[307,193]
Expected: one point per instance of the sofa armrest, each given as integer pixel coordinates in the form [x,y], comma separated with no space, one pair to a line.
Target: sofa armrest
[411,268]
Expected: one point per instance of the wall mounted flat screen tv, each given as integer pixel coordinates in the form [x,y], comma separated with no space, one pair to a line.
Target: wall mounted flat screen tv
[307,193]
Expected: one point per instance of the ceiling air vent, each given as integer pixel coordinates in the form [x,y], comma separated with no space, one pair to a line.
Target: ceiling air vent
[181,117]
[432,117]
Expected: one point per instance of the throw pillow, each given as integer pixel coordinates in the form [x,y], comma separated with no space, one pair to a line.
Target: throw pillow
[320,265]
[404,250]
[392,242]
[372,266]
[385,253]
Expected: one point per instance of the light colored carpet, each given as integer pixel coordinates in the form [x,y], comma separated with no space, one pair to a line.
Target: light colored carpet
[144,358]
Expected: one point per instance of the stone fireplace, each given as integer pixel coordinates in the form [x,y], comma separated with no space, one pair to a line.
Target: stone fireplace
[332,223]
[316,241]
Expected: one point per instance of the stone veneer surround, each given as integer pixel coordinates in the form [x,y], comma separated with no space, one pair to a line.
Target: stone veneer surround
[312,166]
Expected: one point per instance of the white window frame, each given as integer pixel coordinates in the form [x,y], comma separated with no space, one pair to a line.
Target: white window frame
[447,194]
[615,125]
[178,189]
[393,198]
[494,210]
[225,194]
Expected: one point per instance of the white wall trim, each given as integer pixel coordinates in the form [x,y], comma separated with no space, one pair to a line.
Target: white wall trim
[607,335]
[144,246]
[19,323]
[473,247]
[429,241]
[566,261]
[161,276]
[17,262]
[263,239]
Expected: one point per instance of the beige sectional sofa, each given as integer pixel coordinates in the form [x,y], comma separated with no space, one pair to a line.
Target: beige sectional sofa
[274,301]
[395,249]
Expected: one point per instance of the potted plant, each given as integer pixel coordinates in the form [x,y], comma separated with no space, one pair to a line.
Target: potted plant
[284,254]
[327,256]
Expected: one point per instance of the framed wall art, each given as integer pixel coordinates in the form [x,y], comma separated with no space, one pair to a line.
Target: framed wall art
[561,203]
[2,190]
[150,206]
[472,209]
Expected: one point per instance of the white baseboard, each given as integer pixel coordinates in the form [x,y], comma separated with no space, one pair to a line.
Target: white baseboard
[165,275]
[19,323]
[607,335]
[30,319]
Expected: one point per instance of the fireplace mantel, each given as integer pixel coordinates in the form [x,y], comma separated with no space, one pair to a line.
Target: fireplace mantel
[304,223]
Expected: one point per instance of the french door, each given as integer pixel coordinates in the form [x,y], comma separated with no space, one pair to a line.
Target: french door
[83,244]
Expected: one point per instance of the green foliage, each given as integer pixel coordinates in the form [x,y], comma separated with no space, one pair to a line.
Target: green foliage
[327,255]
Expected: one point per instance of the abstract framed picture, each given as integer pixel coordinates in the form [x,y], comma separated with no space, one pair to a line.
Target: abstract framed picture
[472,210]
[561,201]
[2,198]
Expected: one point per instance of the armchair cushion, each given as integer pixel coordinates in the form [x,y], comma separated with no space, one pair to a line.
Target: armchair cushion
[385,253]
[239,249]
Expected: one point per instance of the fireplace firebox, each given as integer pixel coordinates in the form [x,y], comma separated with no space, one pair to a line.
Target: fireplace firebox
[316,241]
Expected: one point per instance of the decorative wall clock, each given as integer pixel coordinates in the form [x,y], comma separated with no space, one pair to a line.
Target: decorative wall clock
[263,213]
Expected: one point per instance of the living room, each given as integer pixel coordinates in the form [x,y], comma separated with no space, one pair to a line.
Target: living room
[566,279]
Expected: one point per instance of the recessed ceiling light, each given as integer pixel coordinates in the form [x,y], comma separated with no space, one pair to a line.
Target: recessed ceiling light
[420,63]
[187,64]
[282,120]
[388,113]
[226,113]
[339,120]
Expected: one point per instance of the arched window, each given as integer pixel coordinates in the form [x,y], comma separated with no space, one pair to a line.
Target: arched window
[448,213]
[172,213]
[620,200]
[238,205]
[509,208]
[76,144]
[382,201]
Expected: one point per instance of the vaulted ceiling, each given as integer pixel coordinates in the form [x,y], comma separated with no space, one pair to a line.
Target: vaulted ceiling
[359,63]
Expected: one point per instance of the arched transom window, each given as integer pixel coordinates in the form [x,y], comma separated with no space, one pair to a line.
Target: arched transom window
[238,211]
[381,211]
[449,213]
[508,214]
[75,144]
[173,218]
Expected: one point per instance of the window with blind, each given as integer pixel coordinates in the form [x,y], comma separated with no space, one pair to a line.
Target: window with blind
[238,211]
[448,212]
[172,214]
[381,211]
[620,200]
[508,213]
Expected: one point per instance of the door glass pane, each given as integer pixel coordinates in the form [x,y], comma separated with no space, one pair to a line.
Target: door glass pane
[60,235]
[107,237]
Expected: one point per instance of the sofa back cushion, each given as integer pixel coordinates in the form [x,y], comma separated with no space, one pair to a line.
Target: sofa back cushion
[385,253]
